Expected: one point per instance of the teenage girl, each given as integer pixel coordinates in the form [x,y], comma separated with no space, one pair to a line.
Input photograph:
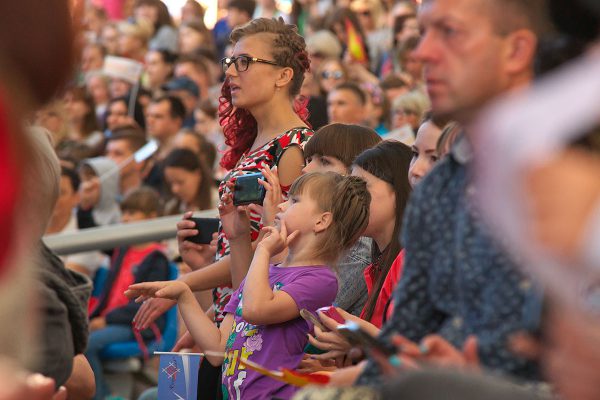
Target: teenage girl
[325,215]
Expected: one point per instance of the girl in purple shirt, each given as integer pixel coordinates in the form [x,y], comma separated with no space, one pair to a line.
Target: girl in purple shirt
[325,215]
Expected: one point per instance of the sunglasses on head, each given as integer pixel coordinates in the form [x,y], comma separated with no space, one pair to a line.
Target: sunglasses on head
[332,74]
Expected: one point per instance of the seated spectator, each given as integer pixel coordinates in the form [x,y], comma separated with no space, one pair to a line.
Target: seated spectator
[347,104]
[192,10]
[322,45]
[194,35]
[407,112]
[188,92]
[203,71]
[121,146]
[92,58]
[98,193]
[96,84]
[425,149]
[110,321]
[188,139]
[156,13]
[133,39]
[82,122]
[330,74]
[109,38]
[64,220]
[190,182]
[159,68]
[118,114]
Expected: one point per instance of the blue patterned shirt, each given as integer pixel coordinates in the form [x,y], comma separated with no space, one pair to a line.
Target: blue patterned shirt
[456,281]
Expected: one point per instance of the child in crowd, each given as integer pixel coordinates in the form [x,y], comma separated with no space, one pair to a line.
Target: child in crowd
[98,193]
[110,319]
[333,148]
[263,321]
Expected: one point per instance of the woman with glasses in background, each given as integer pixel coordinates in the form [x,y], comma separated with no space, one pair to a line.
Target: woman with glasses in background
[330,74]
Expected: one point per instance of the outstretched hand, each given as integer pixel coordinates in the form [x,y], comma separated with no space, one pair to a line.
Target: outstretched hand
[172,290]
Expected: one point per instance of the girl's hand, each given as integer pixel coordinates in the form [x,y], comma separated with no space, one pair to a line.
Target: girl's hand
[276,240]
[273,196]
[172,290]
[186,341]
[234,220]
[194,255]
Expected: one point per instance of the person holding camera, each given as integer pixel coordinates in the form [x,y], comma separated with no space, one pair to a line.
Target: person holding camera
[265,126]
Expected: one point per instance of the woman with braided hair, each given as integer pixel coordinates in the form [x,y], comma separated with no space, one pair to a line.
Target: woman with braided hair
[265,126]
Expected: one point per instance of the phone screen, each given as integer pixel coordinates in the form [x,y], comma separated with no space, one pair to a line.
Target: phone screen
[248,190]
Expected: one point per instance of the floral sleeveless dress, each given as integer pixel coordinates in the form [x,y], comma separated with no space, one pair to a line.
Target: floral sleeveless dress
[265,156]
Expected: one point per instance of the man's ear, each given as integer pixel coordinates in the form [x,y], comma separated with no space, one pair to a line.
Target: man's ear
[323,222]
[285,76]
[520,51]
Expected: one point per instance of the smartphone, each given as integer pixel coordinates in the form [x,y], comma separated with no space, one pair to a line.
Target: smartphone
[359,338]
[248,190]
[206,227]
[331,312]
[310,317]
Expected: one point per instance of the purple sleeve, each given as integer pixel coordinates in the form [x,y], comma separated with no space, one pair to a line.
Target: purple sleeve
[313,289]
[234,300]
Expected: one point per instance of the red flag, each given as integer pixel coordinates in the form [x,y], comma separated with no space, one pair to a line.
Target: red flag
[354,43]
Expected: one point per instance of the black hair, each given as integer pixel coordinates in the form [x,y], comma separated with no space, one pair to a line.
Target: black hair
[354,88]
[247,6]
[388,161]
[138,112]
[190,161]
[73,177]
[176,107]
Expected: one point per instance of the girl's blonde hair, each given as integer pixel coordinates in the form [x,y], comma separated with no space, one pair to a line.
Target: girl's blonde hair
[347,199]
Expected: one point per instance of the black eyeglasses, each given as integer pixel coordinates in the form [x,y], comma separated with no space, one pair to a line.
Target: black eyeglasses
[243,62]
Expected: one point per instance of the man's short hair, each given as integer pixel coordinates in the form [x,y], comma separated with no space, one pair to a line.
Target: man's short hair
[354,88]
[511,15]
[246,6]
[72,175]
[176,107]
[132,134]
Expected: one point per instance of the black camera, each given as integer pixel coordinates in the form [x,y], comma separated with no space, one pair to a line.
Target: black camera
[248,190]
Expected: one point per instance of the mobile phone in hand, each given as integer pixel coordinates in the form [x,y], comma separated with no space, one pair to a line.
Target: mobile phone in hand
[332,313]
[206,227]
[359,338]
[247,189]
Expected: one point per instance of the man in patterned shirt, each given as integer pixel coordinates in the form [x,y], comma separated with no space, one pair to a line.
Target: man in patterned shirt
[456,281]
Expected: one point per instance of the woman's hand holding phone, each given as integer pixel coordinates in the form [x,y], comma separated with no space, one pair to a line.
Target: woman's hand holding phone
[234,219]
[193,254]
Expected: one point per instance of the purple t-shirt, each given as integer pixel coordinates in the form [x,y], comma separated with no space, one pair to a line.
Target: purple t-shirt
[274,346]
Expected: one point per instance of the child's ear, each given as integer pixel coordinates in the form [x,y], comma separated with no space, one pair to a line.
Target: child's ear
[323,222]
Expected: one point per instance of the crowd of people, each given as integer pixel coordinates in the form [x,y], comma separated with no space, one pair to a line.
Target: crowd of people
[364,119]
